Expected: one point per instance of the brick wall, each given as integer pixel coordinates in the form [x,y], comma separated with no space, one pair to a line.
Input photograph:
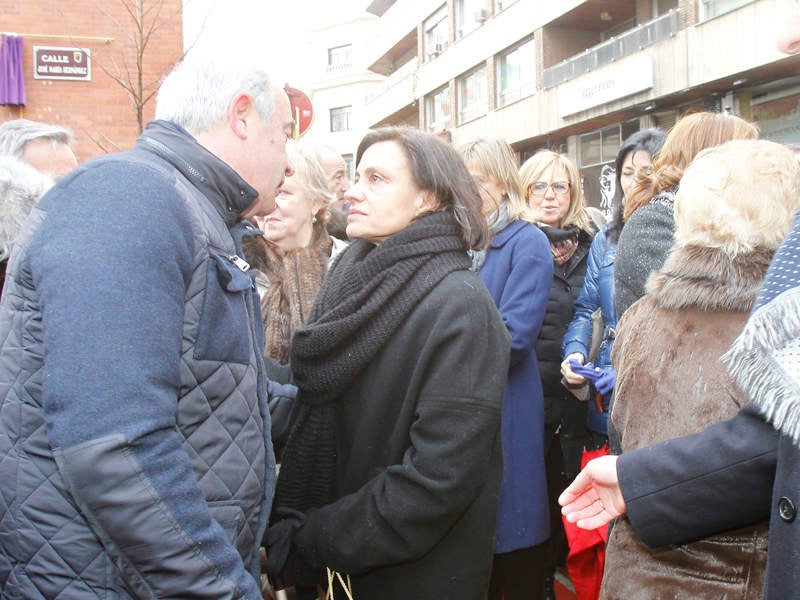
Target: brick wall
[98,111]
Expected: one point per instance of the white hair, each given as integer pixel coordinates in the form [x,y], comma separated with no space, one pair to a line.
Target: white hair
[21,187]
[197,93]
[15,134]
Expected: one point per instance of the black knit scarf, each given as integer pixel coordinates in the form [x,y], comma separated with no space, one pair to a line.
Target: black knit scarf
[366,296]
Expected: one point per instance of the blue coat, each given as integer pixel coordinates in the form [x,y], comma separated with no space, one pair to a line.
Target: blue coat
[135,458]
[518,273]
[597,291]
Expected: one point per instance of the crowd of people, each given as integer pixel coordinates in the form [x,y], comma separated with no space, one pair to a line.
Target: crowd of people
[226,370]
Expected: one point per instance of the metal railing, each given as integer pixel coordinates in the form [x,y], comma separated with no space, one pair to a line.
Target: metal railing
[607,52]
[337,70]
[401,74]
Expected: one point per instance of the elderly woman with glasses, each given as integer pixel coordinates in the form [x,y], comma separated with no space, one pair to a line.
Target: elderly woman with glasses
[553,190]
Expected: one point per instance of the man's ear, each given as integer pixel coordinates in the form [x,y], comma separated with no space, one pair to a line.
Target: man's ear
[239,112]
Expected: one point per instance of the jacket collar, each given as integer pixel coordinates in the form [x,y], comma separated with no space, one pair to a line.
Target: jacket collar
[227,192]
[501,237]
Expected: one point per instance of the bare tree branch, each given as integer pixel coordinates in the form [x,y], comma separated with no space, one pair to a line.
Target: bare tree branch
[137,26]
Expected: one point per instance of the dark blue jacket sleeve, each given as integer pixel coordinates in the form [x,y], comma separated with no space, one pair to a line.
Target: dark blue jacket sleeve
[111,268]
[699,485]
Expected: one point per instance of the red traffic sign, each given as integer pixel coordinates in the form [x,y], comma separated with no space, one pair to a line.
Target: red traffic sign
[302,110]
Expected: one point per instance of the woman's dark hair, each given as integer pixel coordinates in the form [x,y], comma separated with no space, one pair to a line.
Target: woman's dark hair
[647,140]
[437,168]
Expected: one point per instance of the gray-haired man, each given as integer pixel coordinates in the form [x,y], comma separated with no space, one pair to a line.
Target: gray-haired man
[135,454]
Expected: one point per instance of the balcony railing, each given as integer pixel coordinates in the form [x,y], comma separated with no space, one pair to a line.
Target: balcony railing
[617,47]
[401,74]
[338,70]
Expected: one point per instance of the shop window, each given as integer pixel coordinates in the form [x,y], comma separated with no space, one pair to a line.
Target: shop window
[516,73]
[778,115]
[596,154]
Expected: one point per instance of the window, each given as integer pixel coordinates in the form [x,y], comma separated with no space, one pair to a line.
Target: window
[597,152]
[348,164]
[437,33]
[472,95]
[469,15]
[713,8]
[340,56]
[501,5]
[516,73]
[438,109]
[340,118]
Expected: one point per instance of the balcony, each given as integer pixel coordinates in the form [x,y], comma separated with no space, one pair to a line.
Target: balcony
[400,75]
[617,47]
[338,70]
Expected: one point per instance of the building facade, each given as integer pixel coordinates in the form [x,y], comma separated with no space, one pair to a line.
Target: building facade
[342,83]
[579,76]
[92,99]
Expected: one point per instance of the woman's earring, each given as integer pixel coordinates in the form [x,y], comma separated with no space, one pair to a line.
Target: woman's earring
[313,219]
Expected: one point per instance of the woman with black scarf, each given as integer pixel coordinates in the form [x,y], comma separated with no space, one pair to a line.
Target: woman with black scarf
[392,469]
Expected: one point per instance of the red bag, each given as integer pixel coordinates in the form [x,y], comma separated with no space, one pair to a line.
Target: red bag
[587,549]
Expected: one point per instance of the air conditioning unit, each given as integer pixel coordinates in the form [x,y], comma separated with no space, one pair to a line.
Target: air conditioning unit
[480,15]
[438,48]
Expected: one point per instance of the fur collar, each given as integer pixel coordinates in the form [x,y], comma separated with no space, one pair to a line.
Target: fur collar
[708,279]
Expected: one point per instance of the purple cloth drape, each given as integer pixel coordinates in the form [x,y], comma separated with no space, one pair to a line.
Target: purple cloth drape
[12,79]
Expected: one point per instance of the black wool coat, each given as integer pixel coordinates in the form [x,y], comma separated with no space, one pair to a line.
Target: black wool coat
[419,455]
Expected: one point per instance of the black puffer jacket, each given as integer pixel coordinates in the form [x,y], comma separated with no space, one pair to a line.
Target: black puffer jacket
[560,406]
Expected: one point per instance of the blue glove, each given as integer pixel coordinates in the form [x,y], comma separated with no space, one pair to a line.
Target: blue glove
[603,379]
[588,371]
[605,383]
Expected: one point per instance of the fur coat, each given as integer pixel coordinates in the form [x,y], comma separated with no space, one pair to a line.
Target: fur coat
[288,282]
[670,383]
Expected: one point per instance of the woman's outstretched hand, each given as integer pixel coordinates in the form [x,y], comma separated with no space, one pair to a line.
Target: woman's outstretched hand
[594,498]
